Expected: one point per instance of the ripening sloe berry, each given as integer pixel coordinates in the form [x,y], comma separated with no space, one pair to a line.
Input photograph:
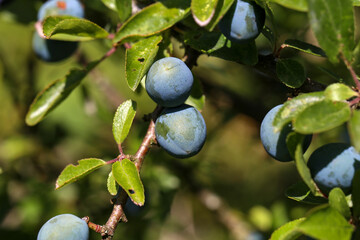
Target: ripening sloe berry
[61,7]
[243,22]
[181,131]
[275,142]
[169,82]
[64,227]
[334,165]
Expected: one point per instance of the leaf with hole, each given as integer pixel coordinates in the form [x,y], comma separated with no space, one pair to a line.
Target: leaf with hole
[127,176]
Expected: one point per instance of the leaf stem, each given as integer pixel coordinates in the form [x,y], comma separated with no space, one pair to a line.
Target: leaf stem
[352,72]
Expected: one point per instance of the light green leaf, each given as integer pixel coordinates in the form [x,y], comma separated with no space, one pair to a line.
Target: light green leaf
[290,72]
[197,97]
[50,97]
[356,3]
[298,5]
[111,184]
[73,173]
[139,58]
[300,192]
[305,47]
[326,224]
[203,11]
[354,129]
[293,107]
[123,119]
[288,231]
[124,9]
[111,4]
[322,116]
[333,25]
[127,176]
[339,92]
[152,20]
[222,7]
[337,200]
[72,29]
[355,195]
[303,169]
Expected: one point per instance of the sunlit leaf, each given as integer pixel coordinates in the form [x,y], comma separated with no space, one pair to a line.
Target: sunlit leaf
[203,11]
[123,119]
[339,92]
[337,200]
[288,231]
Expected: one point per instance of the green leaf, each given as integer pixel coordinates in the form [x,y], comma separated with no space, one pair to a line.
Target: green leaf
[152,20]
[204,41]
[111,184]
[203,11]
[333,25]
[303,169]
[111,4]
[322,116]
[290,72]
[50,97]
[123,119]
[298,5]
[326,224]
[300,192]
[124,9]
[72,29]
[287,231]
[72,173]
[139,58]
[354,129]
[355,195]
[305,47]
[337,200]
[127,176]
[243,53]
[269,34]
[222,7]
[197,97]
[293,107]
[339,92]
[356,3]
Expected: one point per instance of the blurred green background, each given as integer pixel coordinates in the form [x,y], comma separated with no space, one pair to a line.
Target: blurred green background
[231,190]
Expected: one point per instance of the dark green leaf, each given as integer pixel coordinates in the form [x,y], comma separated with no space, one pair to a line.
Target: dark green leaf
[322,116]
[295,106]
[269,34]
[305,47]
[139,58]
[333,25]
[245,53]
[337,200]
[111,184]
[123,119]
[55,93]
[222,7]
[326,224]
[197,97]
[127,176]
[339,92]
[73,173]
[204,41]
[354,129]
[299,5]
[124,9]
[152,20]
[300,192]
[288,231]
[303,169]
[355,195]
[203,11]
[72,29]
[290,72]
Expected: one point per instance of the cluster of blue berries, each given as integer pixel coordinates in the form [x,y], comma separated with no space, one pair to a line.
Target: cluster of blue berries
[180,129]
[332,165]
[54,50]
